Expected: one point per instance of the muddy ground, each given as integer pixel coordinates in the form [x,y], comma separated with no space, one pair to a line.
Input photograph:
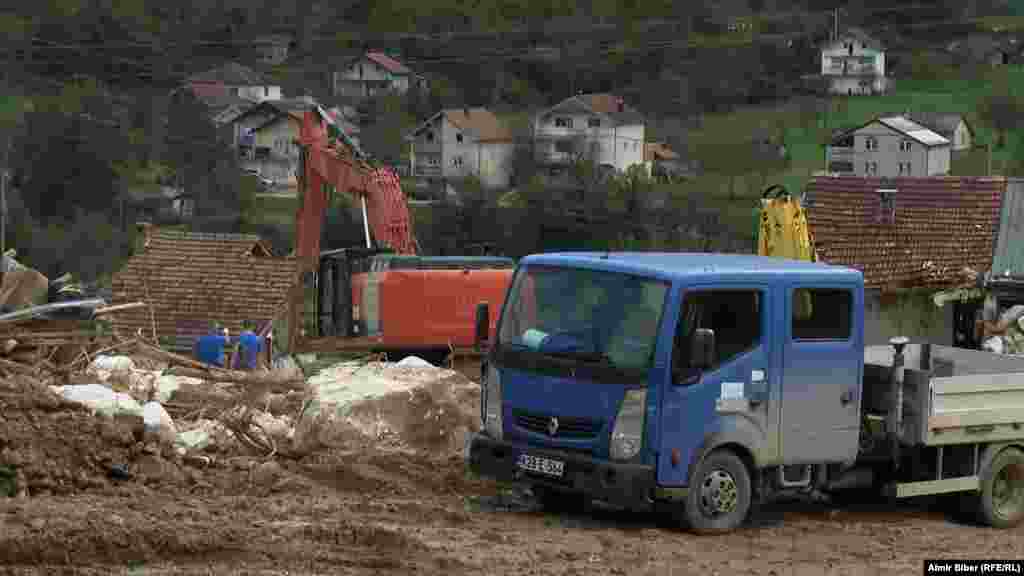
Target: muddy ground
[99,500]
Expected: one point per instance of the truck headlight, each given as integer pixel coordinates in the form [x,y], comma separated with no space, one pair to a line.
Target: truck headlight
[628,431]
[491,403]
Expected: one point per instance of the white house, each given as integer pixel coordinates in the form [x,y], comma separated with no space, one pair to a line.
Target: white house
[599,127]
[265,136]
[233,79]
[952,127]
[889,147]
[854,63]
[463,142]
[371,74]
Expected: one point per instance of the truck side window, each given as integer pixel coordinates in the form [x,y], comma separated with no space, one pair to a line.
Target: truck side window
[733,315]
[822,314]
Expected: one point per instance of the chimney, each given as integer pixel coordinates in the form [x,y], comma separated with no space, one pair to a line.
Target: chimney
[147,232]
[887,205]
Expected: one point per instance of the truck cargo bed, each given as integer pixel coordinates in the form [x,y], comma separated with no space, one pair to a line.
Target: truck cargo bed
[950,395]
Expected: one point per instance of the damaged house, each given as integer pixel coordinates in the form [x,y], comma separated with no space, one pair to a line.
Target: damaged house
[912,238]
[191,279]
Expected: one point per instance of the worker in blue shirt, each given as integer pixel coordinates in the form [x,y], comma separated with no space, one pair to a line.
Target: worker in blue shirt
[209,349]
[249,347]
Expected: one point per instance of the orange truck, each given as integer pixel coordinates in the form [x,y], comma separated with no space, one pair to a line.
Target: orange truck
[385,294]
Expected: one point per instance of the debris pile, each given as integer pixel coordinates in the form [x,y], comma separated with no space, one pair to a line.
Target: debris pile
[407,405]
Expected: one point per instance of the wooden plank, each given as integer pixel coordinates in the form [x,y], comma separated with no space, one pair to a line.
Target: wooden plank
[929,487]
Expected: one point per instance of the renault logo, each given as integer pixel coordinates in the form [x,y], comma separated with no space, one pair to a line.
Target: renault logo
[553,426]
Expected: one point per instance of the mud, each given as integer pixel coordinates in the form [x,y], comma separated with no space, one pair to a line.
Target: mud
[391,507]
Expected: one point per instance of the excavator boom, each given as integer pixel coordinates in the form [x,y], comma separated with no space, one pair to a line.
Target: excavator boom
[385,211]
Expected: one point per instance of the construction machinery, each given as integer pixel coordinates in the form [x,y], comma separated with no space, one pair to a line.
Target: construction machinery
[782,230]
[382,296]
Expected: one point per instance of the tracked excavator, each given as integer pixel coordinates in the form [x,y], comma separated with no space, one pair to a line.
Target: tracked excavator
[383,296]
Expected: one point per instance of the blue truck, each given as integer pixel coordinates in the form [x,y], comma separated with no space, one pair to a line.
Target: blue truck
[707,383]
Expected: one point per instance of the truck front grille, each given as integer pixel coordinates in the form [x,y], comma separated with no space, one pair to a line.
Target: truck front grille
[568,426]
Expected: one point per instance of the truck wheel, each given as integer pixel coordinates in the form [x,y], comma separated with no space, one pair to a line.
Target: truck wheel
[1002,490]
[719,497]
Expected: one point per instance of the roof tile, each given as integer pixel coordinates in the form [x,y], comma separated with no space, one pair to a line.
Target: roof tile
[942,225]
[191,279]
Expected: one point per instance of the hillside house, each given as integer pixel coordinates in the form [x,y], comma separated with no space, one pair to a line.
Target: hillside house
[272,49]
[952,127]
[190,279]
[233,79]
[888,147]
[462,142]
[854,63]
[994,50]
[597,127]
[911,238]
[265,136]
[371,74]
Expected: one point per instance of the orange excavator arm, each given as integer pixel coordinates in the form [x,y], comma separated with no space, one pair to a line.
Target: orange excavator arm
[385,211]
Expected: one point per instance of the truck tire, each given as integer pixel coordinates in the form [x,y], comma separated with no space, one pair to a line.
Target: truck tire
[1002,490]
[719,497]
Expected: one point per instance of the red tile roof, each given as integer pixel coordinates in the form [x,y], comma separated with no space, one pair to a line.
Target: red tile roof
[942,225]
[387,62]
[191,279]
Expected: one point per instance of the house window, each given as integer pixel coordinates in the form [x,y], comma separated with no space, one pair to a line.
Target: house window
[625,145]
[905,168]
[871,167]
[432,162]
[266,91]
[457,161]
[870,143]
[458,138]
[905,145]
[563,122]
[430,136]
[594,123]
[636,146]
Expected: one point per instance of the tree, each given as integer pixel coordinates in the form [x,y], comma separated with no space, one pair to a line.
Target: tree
[1001,109]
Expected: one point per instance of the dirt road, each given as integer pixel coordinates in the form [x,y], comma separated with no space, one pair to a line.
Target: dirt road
[99,501]
[395,514]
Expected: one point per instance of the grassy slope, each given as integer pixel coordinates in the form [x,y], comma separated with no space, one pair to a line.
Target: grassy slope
[720,133]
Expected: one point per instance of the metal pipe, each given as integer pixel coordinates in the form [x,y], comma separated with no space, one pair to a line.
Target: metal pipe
[366,223]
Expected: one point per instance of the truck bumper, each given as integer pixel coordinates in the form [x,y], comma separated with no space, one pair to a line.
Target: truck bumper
[628,486]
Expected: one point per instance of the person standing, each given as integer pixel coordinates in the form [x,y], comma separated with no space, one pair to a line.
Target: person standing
[249,347]
[210,348]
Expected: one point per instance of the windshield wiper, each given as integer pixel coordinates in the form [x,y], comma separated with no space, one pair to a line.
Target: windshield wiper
[591,357]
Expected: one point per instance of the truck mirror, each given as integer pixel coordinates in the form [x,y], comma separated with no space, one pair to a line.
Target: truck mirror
[483,324]
[702,348]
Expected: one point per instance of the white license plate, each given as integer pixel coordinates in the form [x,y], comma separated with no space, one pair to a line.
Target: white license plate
[541,465]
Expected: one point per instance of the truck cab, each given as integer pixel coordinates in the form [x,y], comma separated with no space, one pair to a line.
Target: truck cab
[705,382]
[616,376]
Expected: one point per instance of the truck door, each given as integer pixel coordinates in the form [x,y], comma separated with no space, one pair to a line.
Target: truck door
[823,359]
[699,404]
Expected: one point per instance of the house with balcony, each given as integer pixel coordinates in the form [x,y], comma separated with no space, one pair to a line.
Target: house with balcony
[265,137]
[597,127]
[461,142]
[854,63]
[371,74]
[272,49]
[888,147]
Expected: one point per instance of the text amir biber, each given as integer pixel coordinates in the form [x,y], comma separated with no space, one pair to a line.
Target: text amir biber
[974,566]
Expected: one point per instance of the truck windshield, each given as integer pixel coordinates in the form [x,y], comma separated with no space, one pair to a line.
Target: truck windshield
[590,316]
